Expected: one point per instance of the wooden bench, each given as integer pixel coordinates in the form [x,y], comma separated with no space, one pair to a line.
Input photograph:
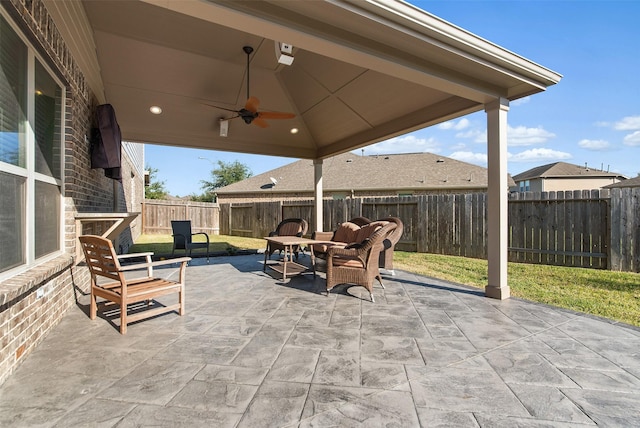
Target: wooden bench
[103,262]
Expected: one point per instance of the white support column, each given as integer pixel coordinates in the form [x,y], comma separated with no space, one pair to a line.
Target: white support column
[497,199]
[317,191]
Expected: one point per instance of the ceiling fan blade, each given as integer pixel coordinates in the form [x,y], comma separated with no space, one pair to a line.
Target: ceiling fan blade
[275,115]
[252,104]
[221,108]
[260,122]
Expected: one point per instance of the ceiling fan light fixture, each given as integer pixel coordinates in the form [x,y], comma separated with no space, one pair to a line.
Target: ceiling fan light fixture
[224,127]
[155,109]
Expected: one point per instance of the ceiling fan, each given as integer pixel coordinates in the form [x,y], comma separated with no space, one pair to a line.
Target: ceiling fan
[250,113]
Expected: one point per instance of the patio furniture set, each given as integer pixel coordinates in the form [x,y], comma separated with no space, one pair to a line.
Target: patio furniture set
[353,254]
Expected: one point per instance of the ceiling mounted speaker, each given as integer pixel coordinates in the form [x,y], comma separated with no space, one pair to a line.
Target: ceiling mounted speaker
[284,53]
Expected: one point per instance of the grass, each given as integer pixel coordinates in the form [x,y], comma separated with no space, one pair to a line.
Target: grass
[162,244]
[613,295]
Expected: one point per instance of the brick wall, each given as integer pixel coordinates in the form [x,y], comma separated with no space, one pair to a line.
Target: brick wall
[33,302]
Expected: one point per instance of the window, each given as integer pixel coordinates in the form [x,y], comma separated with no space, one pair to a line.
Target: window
[525,186]
[31,119]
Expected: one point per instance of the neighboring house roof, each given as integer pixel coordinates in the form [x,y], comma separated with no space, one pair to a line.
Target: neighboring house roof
[349,171]
[564,170]
[631,182]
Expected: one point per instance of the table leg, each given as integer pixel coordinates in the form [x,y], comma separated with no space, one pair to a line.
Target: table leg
[266,251]
[313,260]
[285,260]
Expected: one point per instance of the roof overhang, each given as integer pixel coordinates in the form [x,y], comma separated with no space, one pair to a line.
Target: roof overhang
[364,71]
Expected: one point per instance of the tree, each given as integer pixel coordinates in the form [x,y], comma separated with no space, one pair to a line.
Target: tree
[155,189]
[225,174]
[204,197]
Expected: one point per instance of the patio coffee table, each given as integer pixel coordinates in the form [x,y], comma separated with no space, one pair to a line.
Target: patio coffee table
[287,266]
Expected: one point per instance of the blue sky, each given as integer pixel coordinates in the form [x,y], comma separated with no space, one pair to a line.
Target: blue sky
[591,117]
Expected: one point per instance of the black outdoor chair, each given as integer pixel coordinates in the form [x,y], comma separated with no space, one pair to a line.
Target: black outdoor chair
[183,238]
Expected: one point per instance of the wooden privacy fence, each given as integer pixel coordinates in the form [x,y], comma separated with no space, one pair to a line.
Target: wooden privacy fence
[442,224]
[157,215]
[560,228]
[598,229]
[625,229]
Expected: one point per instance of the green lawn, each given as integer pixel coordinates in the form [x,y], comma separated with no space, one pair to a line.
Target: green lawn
[613,295]
[162,244]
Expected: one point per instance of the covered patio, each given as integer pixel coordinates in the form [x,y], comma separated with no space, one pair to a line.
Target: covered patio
[355,73]
[254,351]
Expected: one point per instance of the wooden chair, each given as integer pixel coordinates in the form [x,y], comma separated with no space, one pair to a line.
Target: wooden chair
[103,262]
[183,238]
[287,227]
[358,263]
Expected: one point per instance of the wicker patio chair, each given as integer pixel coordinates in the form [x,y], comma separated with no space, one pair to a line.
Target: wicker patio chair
[358,263]
[360,221]
[118,290]
[386,255]
[287,227]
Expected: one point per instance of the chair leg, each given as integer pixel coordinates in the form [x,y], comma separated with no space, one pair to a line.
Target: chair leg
[123,318]
[379,278]
[181,297]
[93,306]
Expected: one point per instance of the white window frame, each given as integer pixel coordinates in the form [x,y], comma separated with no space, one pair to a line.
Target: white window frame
[29,170]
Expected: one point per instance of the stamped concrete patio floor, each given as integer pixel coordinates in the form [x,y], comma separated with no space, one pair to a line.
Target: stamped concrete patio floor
[253,351]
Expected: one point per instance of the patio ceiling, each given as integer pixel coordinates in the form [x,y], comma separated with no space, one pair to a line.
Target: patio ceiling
[363,71]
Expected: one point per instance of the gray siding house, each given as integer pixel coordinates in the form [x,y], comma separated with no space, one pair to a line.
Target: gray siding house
[560,176]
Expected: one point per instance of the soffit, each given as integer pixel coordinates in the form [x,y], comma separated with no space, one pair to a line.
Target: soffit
[357,77]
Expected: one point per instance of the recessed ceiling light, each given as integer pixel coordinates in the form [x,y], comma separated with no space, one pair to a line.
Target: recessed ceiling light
[294,130]
[155,110]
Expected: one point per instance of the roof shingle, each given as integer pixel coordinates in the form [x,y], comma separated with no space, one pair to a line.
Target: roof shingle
[349,171]
[563,169]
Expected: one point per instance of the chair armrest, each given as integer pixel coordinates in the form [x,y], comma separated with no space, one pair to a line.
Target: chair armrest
[124,256]
[343,252]
[322,236]
[156,263]
[146,255]
[201,233]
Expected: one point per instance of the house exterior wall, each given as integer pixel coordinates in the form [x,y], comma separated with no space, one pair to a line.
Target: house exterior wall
[34,300]
[557,184]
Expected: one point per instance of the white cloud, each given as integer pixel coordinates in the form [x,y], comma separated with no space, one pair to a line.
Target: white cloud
[452,125]
[629,123]
[516,136]
[632,139]
[475,135]
[523,136]
[458,147]
[595,145]
[538,155]
[470,157]
[520,101]
[403,144]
